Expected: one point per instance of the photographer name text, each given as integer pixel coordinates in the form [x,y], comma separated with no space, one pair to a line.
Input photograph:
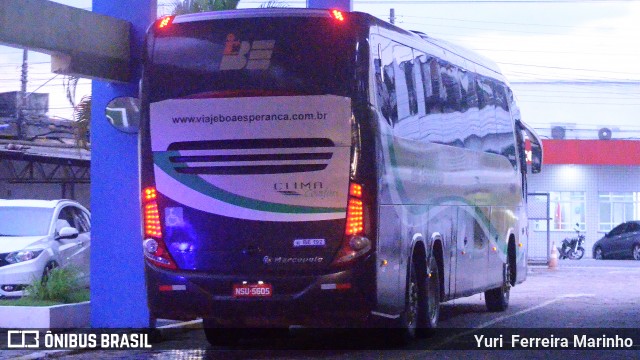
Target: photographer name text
[577,341]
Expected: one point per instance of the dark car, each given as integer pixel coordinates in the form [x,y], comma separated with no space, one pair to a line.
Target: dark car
[623,242]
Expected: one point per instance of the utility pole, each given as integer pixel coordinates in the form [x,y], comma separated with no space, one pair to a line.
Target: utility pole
[392,15]
[22,97]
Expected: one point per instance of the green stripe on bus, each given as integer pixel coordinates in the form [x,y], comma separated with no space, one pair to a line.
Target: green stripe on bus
[161,159]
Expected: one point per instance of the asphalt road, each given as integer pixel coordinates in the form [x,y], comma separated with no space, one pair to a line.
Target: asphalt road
[579,297]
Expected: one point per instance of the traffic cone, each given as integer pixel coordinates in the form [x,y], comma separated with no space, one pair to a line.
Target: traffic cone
[553,259]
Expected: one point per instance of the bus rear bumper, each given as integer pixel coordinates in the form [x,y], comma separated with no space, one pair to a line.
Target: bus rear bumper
[329,300]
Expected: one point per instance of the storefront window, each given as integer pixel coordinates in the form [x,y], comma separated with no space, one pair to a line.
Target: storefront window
[566,209]
[616,208]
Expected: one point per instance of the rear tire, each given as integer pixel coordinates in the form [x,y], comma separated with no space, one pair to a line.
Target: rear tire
[414,301]
[635,253]
[429,320]
[598,254]
[497,299]
[422,302]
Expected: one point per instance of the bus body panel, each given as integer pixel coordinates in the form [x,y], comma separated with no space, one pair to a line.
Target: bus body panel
[433,163]
[434,166]
[249,181]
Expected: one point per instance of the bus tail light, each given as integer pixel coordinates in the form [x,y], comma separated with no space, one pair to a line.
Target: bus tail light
[354,244]
[154,247]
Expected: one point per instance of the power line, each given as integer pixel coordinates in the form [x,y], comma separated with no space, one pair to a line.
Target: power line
[498,22]
[450,2]
[510,31]
[569,69]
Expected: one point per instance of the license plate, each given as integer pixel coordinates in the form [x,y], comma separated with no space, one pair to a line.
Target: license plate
[252,290]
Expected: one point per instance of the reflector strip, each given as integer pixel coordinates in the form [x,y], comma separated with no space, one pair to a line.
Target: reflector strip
[172,287]
[344,286]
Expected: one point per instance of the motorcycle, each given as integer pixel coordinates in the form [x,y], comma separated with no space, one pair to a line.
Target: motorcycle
[572,248]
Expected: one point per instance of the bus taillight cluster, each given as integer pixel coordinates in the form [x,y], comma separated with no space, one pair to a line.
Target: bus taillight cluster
[355,211]
[154,247]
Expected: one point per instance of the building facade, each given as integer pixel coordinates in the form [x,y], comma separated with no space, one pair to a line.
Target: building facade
[592,183]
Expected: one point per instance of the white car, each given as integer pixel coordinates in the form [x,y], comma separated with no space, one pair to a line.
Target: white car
[39,235]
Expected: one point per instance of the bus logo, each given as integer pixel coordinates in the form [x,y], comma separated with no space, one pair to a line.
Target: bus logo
[249,55]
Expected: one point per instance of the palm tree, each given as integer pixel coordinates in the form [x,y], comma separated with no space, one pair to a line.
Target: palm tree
[81,111]
[194,6]
[82,117]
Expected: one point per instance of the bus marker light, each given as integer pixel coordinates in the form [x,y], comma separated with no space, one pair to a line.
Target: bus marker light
[520,245]
[494,248]
[337,14]
[166,21]
[384,263]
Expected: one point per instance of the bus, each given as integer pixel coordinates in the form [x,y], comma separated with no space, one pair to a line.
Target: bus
[325,169]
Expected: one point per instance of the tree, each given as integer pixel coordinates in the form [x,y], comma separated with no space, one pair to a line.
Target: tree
[195,6]
[274,4]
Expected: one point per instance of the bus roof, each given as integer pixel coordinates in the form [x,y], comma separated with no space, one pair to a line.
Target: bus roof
[252,13]
[454,49]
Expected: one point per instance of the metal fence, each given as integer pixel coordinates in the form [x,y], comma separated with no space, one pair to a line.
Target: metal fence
[539,241]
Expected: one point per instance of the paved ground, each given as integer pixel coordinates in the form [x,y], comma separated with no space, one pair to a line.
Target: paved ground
[578,295]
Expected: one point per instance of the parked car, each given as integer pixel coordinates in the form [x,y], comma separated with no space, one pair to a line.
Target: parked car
[39,235]
[623,242]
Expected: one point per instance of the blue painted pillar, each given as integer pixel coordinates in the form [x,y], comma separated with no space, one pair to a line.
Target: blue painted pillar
[346,5]
[118,293]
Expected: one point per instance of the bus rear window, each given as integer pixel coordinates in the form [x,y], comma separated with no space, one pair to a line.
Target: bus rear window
[300,55]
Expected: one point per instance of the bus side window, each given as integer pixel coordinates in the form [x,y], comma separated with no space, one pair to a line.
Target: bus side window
[504,124]
[487,113]
[405,86]
[385,82]
[430,84]
[449,75]
[469,95]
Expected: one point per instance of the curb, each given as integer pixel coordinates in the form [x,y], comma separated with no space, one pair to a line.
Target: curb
[181,327]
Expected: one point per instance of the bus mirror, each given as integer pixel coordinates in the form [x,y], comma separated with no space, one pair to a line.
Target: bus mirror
[536,158]
[124,114]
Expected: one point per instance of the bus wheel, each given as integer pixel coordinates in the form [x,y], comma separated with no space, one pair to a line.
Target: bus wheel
[498,299]
[431,312]
[218,335]
[405,329]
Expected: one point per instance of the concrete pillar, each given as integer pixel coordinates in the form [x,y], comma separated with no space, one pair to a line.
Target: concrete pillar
[118,293]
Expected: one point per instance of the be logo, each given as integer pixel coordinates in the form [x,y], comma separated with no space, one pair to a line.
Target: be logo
[246,55]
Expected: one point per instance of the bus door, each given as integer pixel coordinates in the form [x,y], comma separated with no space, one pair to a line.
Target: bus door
[442,220]
[464,251]
[480,246]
